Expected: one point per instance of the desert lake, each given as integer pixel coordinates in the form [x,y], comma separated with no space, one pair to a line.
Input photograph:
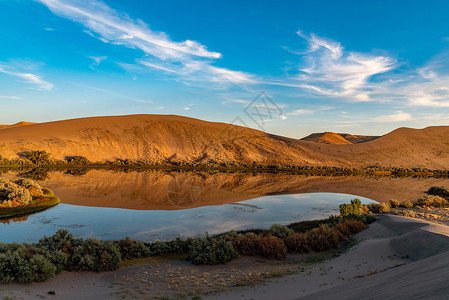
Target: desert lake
[161,205]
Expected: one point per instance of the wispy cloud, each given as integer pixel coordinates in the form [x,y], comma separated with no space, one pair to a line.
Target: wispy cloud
[96,61]
[332,71]
[396,117]
[189,59]
[35,80]
[427,86]
[10,97]
[301,112]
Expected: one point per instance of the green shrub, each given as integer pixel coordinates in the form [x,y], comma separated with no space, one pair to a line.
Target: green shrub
[96,255]
[211,251]
[77,160]
[39,157]
[132,249]
[280,231]
[351,209]
[178,246]
[297,243]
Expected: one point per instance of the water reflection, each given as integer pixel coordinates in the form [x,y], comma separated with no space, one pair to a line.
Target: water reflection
[150,225]
[160,190]
[160,204]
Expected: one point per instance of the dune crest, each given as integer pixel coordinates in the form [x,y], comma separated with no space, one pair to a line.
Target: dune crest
[23,123]
[338,138]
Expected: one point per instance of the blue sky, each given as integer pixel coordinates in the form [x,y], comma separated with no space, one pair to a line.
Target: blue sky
[362,67]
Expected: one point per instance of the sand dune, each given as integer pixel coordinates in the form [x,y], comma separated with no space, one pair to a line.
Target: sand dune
[164,138]
[376,268]
[337,138]
[16,125]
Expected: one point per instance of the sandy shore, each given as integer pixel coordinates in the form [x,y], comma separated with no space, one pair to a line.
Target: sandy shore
[395,258]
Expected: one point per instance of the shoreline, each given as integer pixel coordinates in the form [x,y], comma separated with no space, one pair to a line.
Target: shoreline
[390,245]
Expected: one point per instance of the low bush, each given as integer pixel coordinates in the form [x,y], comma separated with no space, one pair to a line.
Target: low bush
[351,209]
[406,204]
[272,247]
[297,243]
[211,251]
[96,255]
[431,201]
[324,238]
[379,208]
[246,244]
[78,160]
[438,190]
[39,157]
[280,231]
[394,203]
[132,249]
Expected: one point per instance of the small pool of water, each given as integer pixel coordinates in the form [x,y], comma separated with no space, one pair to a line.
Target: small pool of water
[151,225]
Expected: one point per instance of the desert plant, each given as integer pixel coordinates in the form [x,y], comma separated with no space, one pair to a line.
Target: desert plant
[438,190]
[272,247]
[211,251]
[297,242]
[96,255]
[431,201]
[406,204]
[351,209]
[379,208]
[132,249]
[394,203]
[78,160]
[39,157]
[280,231]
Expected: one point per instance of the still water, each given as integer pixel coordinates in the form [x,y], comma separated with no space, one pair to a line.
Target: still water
[161,205]
[150,225]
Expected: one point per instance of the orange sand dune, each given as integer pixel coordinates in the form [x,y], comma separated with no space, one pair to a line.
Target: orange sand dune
[16,125]
[338,138]
[174,138]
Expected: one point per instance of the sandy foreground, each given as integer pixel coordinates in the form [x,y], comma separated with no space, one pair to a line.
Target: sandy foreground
[395,258]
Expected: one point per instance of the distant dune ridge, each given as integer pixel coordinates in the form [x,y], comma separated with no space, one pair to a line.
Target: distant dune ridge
[162,138]
[338,138]
[16,125]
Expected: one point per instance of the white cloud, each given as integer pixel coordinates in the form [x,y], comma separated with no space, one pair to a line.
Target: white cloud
[117,28]
[331,71]
[30,78]
[188,59]
[399,116]
[10,97]
[301,112]
[96,61]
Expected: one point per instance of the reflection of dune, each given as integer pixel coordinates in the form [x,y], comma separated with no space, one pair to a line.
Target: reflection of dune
[160,190]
